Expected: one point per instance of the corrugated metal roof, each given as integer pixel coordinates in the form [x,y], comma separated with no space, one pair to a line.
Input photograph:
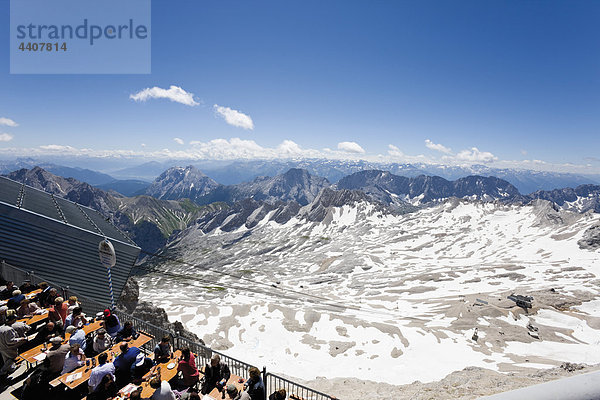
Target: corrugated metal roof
[58,239]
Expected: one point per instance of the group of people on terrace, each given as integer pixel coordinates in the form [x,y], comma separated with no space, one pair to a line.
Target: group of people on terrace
[107,348]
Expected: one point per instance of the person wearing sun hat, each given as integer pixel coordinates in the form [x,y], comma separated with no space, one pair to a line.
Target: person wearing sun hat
[140,368]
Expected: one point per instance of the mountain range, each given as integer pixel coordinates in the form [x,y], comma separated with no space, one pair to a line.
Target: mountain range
[181,196]
[133,179]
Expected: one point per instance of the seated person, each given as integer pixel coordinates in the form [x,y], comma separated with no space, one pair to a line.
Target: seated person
[234,394]
[187,366]
[46,333]
[3,310]
[107,389]
[27,287]
[162,389]
[126,333]
[163,350]
[42,297]
[102,341]
[191,394]
[75,318]
[255,385]
[103,368]
[111,323]
[58,313]
[27,309]
[280,394]
[124,362]
[141,367]
[77,336]
[215,374]
[74,359]
[56,355]
[15,301]
[8,290]
[72,303]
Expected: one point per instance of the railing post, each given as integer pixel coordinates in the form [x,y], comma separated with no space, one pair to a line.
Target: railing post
[264,375]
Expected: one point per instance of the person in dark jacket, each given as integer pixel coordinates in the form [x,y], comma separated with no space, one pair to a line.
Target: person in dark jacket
[126,333]
[256,387]
[215,375]
[124,362]
[8,290]
[15,301]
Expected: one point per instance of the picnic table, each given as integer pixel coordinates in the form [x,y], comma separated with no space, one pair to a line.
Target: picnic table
[37,354]
[166,373]
[82,374]
[215,394]
[36,318]
[29,296]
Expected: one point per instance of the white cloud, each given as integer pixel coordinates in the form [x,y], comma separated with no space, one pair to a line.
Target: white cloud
[178,140]
[5,137]
[474,155]
[173,93]
[437,147]
[350,147]
[234,117]
[57,147]
[394,151]
[290,148]
[8,122]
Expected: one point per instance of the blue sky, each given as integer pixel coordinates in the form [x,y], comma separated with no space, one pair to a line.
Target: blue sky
[517,81]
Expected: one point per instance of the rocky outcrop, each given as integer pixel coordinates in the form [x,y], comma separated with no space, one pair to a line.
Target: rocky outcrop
[129,303]
[590,239]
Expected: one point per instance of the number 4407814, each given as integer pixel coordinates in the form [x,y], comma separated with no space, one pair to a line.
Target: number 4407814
[42,46]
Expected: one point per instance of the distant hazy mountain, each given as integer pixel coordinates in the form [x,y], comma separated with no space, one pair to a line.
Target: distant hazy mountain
[178,183]
[126,187]
[295,184]
[389,188]
[181,183]
[146,171]
[526,181]
[81,174]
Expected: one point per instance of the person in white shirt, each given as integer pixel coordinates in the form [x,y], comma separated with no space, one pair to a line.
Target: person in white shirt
[74,359]
[102,341]
[162,389]
[98,372]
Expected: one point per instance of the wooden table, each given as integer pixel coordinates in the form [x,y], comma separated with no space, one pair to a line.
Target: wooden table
[87,370]
[29,296]
[37,318]
[215,394]
[30,355]
[166,374]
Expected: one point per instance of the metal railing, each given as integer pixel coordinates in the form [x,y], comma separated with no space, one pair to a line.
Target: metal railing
[203,353]
[274,382]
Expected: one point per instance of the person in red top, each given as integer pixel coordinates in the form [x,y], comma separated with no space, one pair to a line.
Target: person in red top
[58,313]
[187,366]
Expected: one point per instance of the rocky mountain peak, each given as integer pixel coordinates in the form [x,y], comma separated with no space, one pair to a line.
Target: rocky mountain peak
[181,182]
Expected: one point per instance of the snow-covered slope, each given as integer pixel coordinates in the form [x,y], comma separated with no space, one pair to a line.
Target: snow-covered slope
[359,292]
